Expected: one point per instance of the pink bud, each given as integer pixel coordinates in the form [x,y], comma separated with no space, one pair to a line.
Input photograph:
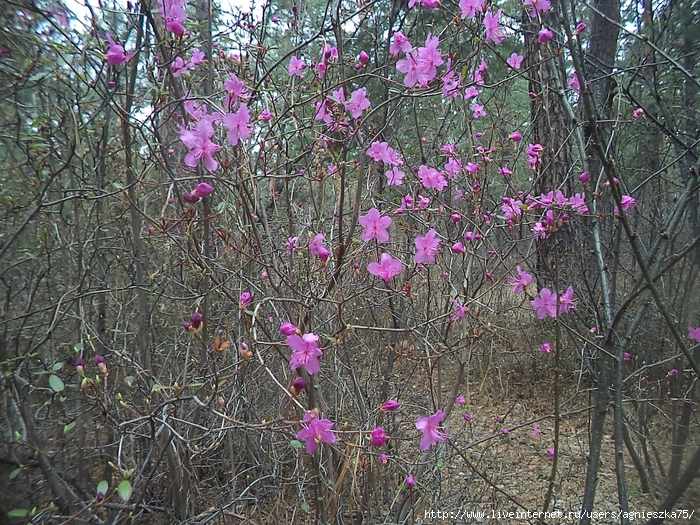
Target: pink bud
[516,136]
[544,36]
[458,247]
[288,328]
[584,178]
[410,482]
[265,115]
[363,58]
[390,406]
[378,437]
[580,28]
[456,217]
[244,300]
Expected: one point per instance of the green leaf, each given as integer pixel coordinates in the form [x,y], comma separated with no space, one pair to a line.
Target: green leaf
[68,428]
[125,490]
[295,444]
[57,366]
[15,473]
[305,507]
[78,347]
[56,384]
[18,513]
[102,487]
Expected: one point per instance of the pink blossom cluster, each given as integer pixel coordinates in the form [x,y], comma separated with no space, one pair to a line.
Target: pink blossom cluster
[182,67]
[174,15]
[420,65]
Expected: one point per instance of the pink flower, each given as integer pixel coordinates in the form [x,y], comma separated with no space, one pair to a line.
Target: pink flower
[389,406]
[317,248]
[288,328]
[115,53]
[203,190]
[375,226]
[394,177]
[546,348]
[521,282]
[460,400]
[381,152]
[567,302]
[638,112]
[550,452]
[470,8]
[535,432]
[537,7]
[545,304]
[315,432]
[237,124]
[627,356]
[235,89]
[296,67]
[298,385]
[493,30]
[516,136]
[265,116]
[174,15]
[431,178]
[544,36]
[511,209]
[673,372]
[363,58]
[478,111]
[399,42]
[505,431]
[358,103]
[427,247]
[584,178]
[383,458]
[459,312]
[245,299]
[627,203]
[574,83]
[515,61]
[200,145]
[467,417]
[458,247]
[378,437]
[431,429]
[694,333]
[305,352]
[410,482]
[580,28]
[505,170]
[387,268]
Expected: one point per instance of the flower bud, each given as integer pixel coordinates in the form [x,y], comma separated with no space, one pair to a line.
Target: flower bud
[363,58]
[389,406]
[80,367]
[298,386]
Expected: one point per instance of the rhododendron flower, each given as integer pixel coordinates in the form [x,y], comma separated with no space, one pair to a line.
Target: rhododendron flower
[467,417]
[567,301]
[298,386]
[203,190]
[627,203]
[432,432]
[375,226]
[638,112]
[244,300]
[427,247]
[673,372]
[478,75]
[431,178]
[470,8]
[694,333]
[292,244]
[115,53]
[265,116]
[358,103]
[383,458]
[478,111]
[584,178]
[315,432]
[305,352]
[378,437]
[363,58]
[389,406]
[544,36]
[296,67]
[453,167]
[450,82]
[238,125]
[516,136]
[395,177]
[459,312]
[574,83]
[545,304]
[317,248]
[580,28]
[200,145]
[174,15]
[288,328]
[626,356]
[537,7]
[535,432]
[410,482]
[471,93]
[546,348]
[80,366]
[505,170]
[399,42]
[428,4]
[515,61]
[521,282]
[458,247]
[511,209]
[550,452]
[460,400]
[387,268]
[235,89]
[493,30]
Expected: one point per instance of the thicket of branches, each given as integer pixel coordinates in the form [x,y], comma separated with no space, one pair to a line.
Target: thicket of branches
[154,241]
